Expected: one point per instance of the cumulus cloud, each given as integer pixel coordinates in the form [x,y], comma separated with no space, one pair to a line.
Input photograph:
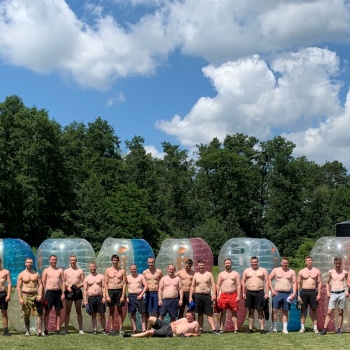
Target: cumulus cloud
[118,98]
[293,92]
[47,35]
[150,149]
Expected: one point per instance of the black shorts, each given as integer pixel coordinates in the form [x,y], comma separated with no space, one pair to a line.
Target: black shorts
[53,298]
[186,299]
[169,306]
[203,304]
[115,295]
[162,329]
[308,296]
[254,299]
[95,304]
[135,304]
[3,303]
[74,295]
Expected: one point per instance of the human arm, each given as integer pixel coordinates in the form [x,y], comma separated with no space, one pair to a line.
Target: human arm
[238,284]
[213,287]
[19,288]
[244,286]
[105,293]
[9,286]
[181,292]
[160,292]
[328,283]
[294,286]
[122,298]
[271,278]
[85,294]
[145,287]
[192,289]
[266,284]
[63,288]
[319,285]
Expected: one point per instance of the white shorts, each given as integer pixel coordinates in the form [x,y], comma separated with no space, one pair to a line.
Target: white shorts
[337,298]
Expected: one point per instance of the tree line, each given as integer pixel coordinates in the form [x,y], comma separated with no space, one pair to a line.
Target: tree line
[75,181]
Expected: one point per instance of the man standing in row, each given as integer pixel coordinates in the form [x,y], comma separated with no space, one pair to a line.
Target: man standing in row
[137,287]
[170,294]
[283,292]
[5,295]
[186,276]
[153,276]
[310,284]
[255,288]
[74,281]
[115,284]
[30,295]
[94,297]
[203,291]
[229,291]
[53,284]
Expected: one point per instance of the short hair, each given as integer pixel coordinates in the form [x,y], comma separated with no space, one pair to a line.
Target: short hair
[151,258]
[92,263]
[28,258]
[337,260]
[115,256]
[308,257]
[254,258]
[284,258]
[172,266]
[200,261]
[189,311]
[189,262]
[227,259]
[53,256]
[73,256]
[133,265]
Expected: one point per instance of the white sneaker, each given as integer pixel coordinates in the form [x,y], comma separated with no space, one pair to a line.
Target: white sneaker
[285,331]
[302,330]
[273,330]
[81,332]
[27,334]
[316,331]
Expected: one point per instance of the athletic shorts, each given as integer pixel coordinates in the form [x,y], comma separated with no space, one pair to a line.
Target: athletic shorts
[136,305]
[186,299]
[31,304]
[3,303]
[203,304]
[95,304]
[279,301]
[254,298]
[228,301]
[170,306]
[115,295]
[74,295]
[152,302]
[53,298]
[337,299]
[308,297]
[162,329]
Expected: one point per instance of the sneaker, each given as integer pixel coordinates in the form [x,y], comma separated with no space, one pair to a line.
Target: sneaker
[338,331]
[121,332]
[6,333]
[215,332]
[285,331]
[103,331]
[134,331]
[250,331]
[200,330]
[27,334]
[221,331]
[46,332]
[271,331]
[113,333]
[94,332]
[42,334]
[316,331]
[323,332]
[126,335]
[236,331]
[262,331]
[60,333]
[81,332]
[302,330]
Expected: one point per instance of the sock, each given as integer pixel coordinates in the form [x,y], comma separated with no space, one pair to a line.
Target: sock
[285,325]
[303,326]
[315,327]
[274,325]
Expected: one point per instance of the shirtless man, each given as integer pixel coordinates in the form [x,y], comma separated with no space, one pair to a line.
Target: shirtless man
[54,292]
[115,284]
[186,276]
[255,288]
[203,286]
[337,291]
[283,293]
[183,327]
[310,285]
[30,295]
[153,276]
[229,291]
[137,287]
[74,281]
[5,296]
[170,294]
[94,297]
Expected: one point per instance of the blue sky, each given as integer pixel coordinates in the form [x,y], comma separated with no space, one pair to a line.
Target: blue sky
[186,71]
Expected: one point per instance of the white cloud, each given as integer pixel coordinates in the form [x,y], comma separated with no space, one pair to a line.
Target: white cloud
[296,93]
[154,151]
[47,36]
[118,98]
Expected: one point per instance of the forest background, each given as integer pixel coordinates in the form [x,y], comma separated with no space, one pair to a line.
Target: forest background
[75,181]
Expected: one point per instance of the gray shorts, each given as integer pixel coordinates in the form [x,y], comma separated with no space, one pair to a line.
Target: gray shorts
[337,298]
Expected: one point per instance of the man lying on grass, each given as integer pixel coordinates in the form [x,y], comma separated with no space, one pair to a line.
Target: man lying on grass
[184,327]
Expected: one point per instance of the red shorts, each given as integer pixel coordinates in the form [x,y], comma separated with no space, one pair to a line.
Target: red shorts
[228,301]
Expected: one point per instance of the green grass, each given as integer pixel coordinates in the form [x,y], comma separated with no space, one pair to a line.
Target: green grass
[204,342]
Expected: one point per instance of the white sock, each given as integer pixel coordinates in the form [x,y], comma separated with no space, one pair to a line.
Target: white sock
[285,325]
[302,326]
[315,327]
[274,325]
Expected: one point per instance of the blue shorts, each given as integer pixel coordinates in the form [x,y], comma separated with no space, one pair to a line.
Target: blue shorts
[170,306]
[152,302]
[135,304]
[280,301]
